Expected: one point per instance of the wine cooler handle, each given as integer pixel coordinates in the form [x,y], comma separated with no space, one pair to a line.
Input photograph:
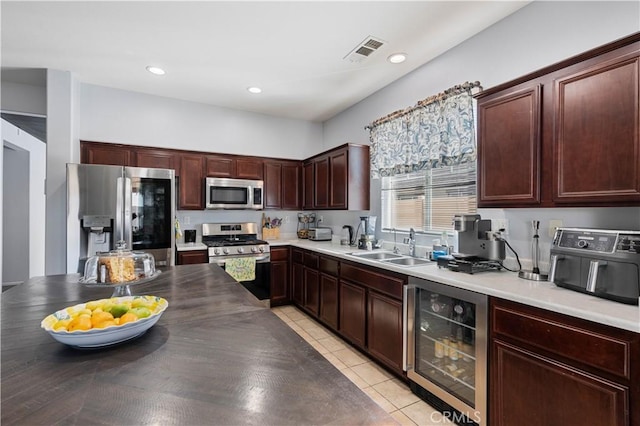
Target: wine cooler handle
[405,309]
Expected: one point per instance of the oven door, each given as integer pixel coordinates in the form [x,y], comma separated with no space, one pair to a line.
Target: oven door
[260,287]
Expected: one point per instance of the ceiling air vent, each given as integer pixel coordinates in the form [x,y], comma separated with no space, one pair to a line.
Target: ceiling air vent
[363,50]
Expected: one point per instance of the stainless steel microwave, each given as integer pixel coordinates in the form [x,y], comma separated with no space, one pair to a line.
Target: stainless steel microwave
[223,193]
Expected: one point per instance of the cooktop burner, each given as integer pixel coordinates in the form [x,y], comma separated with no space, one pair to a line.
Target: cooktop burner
[225,242]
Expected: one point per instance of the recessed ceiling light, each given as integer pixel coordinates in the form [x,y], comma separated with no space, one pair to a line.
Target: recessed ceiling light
[397,58]
[254,89]
[155,70]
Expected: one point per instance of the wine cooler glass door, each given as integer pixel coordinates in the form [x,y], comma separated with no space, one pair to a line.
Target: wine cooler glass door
[449,345]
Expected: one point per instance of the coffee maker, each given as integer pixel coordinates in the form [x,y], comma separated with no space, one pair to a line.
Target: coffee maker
[368,224]
[479,249]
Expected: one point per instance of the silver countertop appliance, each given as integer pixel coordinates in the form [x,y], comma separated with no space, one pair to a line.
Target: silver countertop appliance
[479,248]
[320,234]
[604,263]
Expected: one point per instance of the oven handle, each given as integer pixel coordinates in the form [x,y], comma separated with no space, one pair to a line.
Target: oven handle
[222,260]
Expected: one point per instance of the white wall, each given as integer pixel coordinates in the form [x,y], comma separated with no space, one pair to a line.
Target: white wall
[24,211]
[25,98]
[537,35]
[111,115]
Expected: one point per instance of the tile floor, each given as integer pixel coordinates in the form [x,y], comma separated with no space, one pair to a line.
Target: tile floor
[388,392]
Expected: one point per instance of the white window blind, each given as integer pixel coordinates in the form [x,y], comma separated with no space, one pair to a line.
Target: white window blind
[428,200]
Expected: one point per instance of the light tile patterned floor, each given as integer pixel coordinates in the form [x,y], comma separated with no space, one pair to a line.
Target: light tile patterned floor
[393,395]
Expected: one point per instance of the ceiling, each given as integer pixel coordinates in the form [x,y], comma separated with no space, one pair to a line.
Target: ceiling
[213,50]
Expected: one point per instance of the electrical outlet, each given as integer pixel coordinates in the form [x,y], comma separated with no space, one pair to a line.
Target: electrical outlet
[320,219]
[286,219]
[553,224]
[187,220]
[499,224]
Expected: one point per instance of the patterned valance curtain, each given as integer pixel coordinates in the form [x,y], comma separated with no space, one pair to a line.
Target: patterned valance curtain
[437,132]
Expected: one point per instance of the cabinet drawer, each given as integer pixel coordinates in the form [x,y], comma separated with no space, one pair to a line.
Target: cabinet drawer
[329,266]
[566,337]
[297,255]
[387,284]
[279,253]
[311,260]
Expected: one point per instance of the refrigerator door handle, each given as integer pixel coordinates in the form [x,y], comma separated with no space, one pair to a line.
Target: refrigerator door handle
[118,232]
[127,213]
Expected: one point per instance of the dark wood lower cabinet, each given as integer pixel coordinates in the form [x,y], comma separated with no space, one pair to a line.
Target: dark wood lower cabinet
[536,390]
[551,369]
[311,290]
[353,313]
[279,276]
[297,283]
[329,300]
[192,257]
[384,329]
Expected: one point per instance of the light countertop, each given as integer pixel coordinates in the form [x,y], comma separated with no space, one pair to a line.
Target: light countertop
[190,246]
[503,284]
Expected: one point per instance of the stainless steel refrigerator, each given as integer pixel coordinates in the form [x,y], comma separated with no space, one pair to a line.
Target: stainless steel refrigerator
[106,204]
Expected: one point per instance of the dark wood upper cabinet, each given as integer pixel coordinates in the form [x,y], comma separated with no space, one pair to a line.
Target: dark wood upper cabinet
[221,166]
[566,135]
[191,195]
[105,153]
[272,185]
[597,133]
[291,185]
[509,145]
[321,181]
[308,202]
[249,168]
[155,158]
[338,179]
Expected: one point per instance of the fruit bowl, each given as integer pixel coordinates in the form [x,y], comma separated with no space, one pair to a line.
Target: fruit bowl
[109,335]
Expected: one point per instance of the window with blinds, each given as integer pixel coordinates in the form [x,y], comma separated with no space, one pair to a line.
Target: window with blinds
[428,200]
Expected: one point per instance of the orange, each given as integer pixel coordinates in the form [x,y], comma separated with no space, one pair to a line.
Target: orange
[100,317]
[83,322]
[105,324]
[128,317]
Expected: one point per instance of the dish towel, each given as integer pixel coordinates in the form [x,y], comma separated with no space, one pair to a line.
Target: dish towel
[241,268]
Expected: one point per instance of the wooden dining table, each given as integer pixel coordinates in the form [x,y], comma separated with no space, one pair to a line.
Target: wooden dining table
[217,356]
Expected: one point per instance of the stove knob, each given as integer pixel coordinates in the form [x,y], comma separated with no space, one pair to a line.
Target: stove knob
[216,251]
[583,244]
[261,249]
[240,250]
[254,249]
[225,250]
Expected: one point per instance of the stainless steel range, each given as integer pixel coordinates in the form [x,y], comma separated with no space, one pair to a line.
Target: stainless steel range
[240,240]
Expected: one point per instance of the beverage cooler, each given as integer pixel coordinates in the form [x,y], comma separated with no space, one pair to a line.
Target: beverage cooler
[446,349]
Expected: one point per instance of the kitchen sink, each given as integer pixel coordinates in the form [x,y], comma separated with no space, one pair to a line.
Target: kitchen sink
[408,261]
[377,255]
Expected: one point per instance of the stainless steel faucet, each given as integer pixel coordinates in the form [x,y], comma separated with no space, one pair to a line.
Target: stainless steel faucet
[396,250]
[412,242]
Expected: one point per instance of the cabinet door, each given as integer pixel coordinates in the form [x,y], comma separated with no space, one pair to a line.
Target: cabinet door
[249,168]
[191,182]
[192,257]
[279,282]
[384,329]
[105,153]
[329,300]
[273,180]
[597,134]
[221,166]
[291,186]
[531,389]
[297,284]
[155,159]
[311,290]
[338,179]
[509,148]
[353,313]
[321,183]
[309,186]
